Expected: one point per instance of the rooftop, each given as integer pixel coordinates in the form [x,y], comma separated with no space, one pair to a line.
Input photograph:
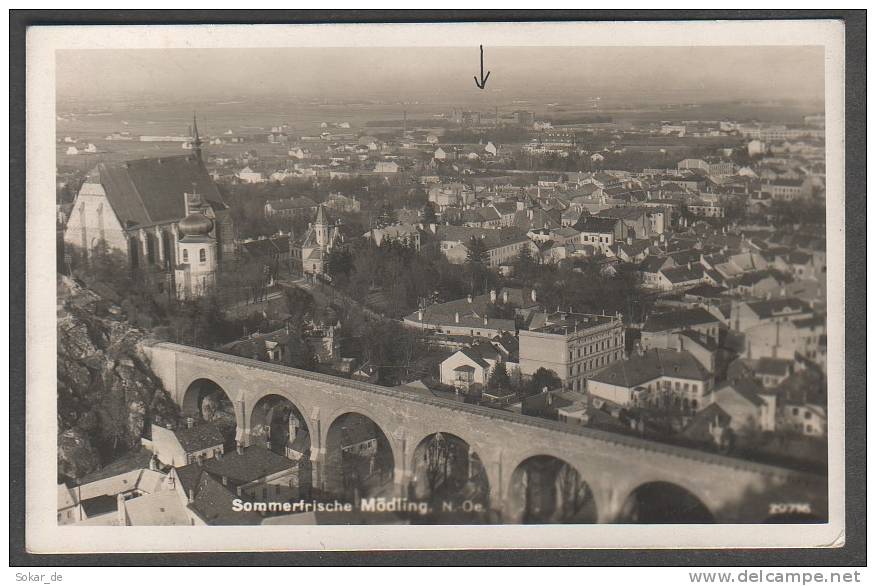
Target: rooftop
[639,370]
[593,224]
[199,437]
[492,237]
[565,323]
[678,320]
[255,462]
[145,192]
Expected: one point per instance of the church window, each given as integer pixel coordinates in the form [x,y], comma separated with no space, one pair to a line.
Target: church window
[203,255]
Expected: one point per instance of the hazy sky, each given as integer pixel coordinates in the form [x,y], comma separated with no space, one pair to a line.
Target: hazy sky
[639,74]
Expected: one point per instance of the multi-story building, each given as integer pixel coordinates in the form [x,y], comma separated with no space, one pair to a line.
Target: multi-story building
[573,345]
[600,232]
[502,245]
[658,378]
[407,234]
[706,209]
[451,195]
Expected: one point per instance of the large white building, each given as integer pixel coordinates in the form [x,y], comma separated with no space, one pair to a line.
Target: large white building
[573,345]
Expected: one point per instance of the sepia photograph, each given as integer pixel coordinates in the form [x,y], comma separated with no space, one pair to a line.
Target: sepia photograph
[413,276]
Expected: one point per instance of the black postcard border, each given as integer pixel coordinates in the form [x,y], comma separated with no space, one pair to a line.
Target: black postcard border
[852,554]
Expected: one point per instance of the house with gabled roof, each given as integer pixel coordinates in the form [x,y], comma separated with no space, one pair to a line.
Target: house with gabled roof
[681,277]
[657,378]
[601,232]
[747,403]
[660,327]
[256,472]
[469,368]
[189,443]
[748,314]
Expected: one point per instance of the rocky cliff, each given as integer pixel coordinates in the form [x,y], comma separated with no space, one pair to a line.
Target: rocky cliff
[107,394]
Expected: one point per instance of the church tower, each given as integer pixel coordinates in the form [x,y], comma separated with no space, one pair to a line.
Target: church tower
[321,227]
[196,138]
[196,255]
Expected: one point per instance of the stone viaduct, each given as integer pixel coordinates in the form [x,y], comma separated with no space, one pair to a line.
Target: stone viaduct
[613,465]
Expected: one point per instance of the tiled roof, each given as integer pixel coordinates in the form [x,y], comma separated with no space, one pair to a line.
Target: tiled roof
[265,248]
[255,462]
[163,508]
[540,219]
[506,207]
[771,307]
[472,314]
[100,505]
[144,192]
[492,237]
[132,461]
[704,341]
[699,426]
[627,213]
[682,274]
[479,353]
[639,370]
[747,388]
[754,277]
[213,503]
[708,291]
[593,224]
[199,437]
[652,264]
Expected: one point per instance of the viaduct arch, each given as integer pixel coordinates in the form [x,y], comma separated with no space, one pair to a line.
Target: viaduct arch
[613,467]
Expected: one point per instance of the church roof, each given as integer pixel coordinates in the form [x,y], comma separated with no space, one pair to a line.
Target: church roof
[321,217]
[145,192]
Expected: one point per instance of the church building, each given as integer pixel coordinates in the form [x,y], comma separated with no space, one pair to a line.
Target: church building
[311,252]
[138,208]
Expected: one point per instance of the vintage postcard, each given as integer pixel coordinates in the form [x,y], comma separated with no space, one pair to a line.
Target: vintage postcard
[564,284]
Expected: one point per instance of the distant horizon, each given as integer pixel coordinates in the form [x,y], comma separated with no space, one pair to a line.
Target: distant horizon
[617,75]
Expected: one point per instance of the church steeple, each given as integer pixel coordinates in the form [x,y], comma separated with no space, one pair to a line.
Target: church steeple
[196,138]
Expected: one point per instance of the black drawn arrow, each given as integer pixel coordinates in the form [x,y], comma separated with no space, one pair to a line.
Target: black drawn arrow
[483,82]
